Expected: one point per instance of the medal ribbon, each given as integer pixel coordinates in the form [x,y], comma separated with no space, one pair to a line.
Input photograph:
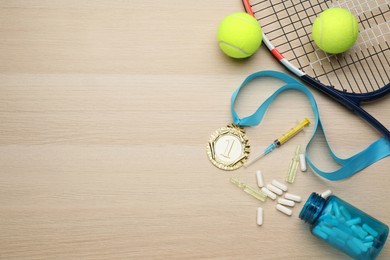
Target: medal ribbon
[349,166]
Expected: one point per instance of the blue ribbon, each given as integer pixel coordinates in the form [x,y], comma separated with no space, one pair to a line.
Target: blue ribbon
[349,166]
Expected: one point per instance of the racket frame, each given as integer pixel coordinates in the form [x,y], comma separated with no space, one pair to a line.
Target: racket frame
[350,100]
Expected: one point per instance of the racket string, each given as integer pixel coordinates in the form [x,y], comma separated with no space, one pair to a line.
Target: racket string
[287,24]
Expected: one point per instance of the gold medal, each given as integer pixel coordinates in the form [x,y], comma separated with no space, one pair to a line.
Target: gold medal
[228,147]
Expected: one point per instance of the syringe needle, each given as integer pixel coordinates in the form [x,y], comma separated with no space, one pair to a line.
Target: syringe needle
[250,162]
[269,149]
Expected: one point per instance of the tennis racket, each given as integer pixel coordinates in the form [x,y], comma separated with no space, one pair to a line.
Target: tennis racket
[359,75]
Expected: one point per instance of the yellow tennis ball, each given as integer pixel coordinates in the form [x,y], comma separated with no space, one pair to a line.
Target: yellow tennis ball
[239,35]
[335,30]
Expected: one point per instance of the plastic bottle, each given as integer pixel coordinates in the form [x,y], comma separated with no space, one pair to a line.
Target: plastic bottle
[344,227]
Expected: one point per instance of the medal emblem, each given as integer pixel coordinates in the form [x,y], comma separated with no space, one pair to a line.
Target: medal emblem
[228,148]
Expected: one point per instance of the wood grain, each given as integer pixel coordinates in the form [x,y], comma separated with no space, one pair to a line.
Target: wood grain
[106,108]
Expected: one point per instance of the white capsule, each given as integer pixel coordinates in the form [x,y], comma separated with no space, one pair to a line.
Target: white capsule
[293,197]
[326,194]
[274,189]
[279,185]
[283,209]
[285,202]
[269,193]
[302,162]
[260,181]
[259,216]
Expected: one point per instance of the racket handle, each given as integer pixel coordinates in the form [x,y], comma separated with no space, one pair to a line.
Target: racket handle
[372,121]
[349,102]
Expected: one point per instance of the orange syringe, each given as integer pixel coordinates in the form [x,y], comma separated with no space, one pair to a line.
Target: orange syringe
[278,142]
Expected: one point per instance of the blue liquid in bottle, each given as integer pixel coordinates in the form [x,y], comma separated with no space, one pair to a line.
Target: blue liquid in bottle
[344,227]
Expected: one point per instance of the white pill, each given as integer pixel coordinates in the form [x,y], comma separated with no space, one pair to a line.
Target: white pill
[274,189]
[326,194]
[279,185]
[285,202]
[283,209]
[293,197]
[259,216]
[302,162]
[269,193]
[260,181]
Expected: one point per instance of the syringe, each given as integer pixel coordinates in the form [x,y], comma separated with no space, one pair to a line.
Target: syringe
[278,142]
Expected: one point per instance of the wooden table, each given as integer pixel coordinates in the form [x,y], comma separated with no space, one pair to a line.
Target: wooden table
[106,108]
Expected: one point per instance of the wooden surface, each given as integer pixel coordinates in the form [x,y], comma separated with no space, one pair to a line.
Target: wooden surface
[106,108]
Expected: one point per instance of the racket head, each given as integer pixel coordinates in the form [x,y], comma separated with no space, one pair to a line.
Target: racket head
[361,73]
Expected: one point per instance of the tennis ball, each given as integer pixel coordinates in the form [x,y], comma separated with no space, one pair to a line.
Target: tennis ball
[239,35]
[335,30]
